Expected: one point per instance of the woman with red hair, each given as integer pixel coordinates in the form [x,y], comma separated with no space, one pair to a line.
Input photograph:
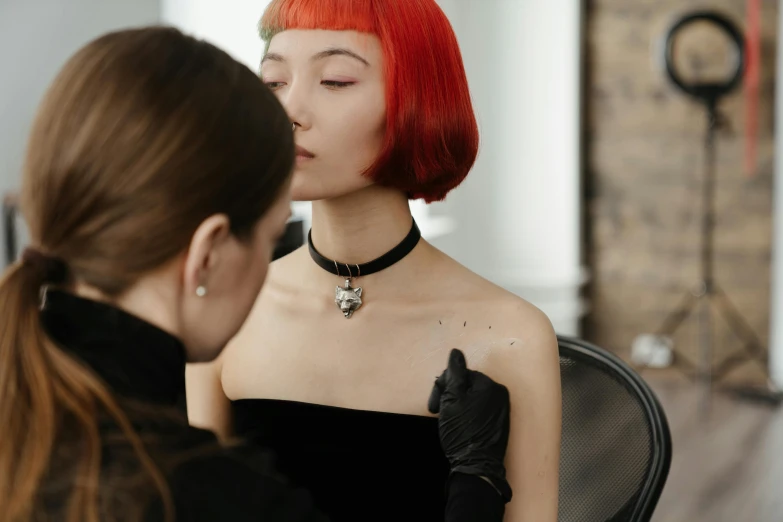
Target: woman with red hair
[346,336]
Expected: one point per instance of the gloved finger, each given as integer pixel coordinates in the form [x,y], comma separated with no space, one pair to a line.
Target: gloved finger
[481,381]
[457,373]
[433,404]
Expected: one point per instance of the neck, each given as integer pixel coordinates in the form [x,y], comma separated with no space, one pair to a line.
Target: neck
[149,299]
[359,227]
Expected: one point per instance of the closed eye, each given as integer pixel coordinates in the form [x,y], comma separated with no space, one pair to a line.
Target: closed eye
[335,84]
[273,85]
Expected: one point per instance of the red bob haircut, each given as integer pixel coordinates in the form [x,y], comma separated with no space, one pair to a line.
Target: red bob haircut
[431,137]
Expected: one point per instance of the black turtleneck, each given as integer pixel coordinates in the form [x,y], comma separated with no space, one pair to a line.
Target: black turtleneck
[144,365]
[136,359]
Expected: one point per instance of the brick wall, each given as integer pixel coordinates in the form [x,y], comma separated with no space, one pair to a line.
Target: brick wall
[643,171]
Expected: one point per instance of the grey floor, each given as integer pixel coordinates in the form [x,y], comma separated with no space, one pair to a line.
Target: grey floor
[727,466]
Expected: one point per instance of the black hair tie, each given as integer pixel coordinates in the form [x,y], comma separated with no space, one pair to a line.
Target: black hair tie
[54,269]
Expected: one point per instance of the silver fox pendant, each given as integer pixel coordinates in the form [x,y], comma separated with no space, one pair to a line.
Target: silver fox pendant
[348,299]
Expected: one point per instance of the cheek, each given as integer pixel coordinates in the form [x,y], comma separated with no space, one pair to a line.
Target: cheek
[359,127]
[350,135]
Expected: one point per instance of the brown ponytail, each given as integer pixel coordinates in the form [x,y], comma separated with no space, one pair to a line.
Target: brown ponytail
[143,135]
[27,394]
[39,386]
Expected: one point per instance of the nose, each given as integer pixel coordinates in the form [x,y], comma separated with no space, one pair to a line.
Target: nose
[345,306]
[295,101]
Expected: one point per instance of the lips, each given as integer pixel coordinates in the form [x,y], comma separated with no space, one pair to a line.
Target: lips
[303,152]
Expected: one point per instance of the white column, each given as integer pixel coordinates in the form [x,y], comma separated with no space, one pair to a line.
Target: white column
[538,209]
[524,64]
[776,312]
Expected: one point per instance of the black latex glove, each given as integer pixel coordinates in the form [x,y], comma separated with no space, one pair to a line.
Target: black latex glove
[474,422]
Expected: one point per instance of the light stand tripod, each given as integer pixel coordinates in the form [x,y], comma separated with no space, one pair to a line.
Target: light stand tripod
[707,293]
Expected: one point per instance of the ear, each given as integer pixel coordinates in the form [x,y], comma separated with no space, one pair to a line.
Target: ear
[358,291]
[337,290]
[203,253]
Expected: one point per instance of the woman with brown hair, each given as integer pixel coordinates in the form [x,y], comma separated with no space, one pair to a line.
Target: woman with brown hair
[155,187]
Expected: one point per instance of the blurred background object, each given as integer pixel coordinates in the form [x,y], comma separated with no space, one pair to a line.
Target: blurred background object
[706,299]
[645,167]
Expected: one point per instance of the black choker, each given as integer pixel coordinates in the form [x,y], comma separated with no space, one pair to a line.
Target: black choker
[350,299]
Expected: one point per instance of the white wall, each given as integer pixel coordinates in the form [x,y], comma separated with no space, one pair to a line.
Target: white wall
[36,38]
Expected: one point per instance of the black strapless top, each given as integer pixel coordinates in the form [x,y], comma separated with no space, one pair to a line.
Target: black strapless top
[359,465]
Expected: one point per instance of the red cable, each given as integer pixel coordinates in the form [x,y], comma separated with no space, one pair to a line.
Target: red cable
[751,81]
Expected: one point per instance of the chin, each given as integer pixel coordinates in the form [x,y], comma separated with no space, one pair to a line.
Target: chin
[308,195]
[305,187]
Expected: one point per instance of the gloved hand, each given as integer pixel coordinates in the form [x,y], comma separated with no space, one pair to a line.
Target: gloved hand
[474,422]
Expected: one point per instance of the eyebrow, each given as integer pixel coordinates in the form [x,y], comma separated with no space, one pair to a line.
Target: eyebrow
[326,53]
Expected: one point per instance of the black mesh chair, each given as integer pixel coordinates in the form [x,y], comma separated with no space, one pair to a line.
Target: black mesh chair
[616,446]
[10,235]
[292,239]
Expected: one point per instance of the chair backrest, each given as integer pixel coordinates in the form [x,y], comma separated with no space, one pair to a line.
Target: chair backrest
[616,446]
[292,239]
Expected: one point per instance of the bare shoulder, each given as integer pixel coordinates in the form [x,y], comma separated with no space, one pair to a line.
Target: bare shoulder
[527,356]
[525,345]
[519,339]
